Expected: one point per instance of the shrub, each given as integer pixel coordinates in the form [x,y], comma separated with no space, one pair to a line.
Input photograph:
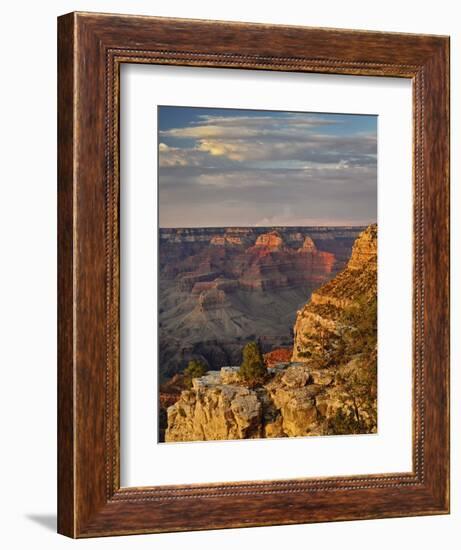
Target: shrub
[345,422]
[252,370]
[195,369]
[362,319]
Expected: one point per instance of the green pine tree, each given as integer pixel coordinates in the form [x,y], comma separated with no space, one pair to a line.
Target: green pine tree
[194,369]
[252,370]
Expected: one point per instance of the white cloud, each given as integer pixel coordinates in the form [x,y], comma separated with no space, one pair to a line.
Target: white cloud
[243,139]
[266,170]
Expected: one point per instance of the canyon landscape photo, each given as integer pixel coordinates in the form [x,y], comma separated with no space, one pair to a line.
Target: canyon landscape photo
[267,274]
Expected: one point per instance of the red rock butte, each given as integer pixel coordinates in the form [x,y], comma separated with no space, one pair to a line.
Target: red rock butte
[308,245]
[270,240]
[226,240]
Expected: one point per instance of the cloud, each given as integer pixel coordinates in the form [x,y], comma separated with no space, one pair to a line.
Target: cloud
[325,149]
[218,148]
[266,170]
[267,198]
[174,157]
[236,127]
[257,138]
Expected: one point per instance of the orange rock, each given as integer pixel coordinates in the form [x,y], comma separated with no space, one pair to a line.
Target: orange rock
[279,355]
[271,240]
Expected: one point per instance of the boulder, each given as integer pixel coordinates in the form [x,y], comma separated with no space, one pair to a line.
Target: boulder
[214,412]
[230,375]
[296,377]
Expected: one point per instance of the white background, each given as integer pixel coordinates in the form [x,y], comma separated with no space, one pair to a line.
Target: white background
[28,274]
[144,462]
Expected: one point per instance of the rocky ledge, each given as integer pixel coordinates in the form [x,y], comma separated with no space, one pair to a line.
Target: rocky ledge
[296,400]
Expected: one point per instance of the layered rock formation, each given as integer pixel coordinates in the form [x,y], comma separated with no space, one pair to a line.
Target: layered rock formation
[184,250]
[271,240]
[219,287]
[308,246]
[328,386]
[226,240]
[317,323]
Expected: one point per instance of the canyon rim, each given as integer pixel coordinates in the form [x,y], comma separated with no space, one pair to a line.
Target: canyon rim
[267,274]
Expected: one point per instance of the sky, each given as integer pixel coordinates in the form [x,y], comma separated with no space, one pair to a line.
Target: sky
[232,167]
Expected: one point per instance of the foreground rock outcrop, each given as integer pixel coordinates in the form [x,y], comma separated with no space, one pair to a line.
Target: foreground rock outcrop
[328,386]
[219,407]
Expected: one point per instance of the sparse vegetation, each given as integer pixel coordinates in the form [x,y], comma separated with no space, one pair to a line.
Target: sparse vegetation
[324,350]
[252,370]
[351,350]
[358,356]
[344,422]
[195,369]
[360,321]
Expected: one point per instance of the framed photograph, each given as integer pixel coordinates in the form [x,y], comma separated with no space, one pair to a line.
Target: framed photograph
[253,259]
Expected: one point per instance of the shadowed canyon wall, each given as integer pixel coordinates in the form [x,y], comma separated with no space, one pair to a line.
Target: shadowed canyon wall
[221,287]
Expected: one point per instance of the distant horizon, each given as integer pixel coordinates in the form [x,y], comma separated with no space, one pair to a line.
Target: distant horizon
[267,226]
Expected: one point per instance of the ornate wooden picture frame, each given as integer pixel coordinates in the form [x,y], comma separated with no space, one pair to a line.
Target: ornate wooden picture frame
[92,48]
